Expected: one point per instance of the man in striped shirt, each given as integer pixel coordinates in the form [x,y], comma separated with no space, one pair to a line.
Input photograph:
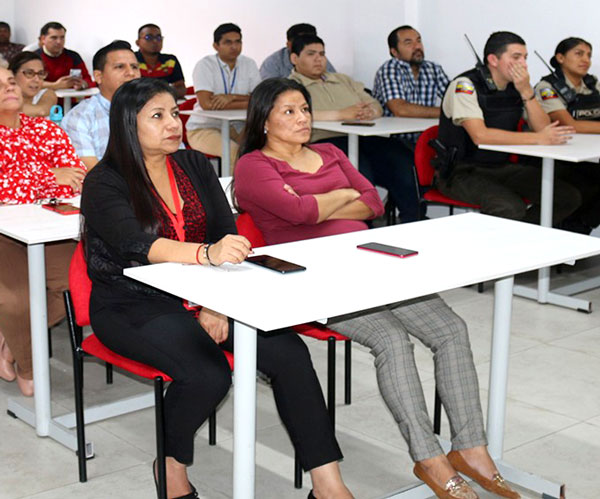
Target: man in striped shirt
[407,85]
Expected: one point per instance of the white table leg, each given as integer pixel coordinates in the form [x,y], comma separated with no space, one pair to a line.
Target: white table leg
[543,293]
[66,104]
[244,411]
[353,149]
[225,150]
[499,365]
[546,221]
[38,314]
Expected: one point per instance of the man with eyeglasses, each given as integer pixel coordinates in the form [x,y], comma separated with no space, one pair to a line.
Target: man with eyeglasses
[153,63]
[221,81]
[65,67]
[87,124]
[7,49]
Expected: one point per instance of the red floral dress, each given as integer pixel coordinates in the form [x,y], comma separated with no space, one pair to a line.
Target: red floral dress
[26,155]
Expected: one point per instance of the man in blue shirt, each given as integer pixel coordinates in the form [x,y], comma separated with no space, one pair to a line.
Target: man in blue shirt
[407,85]
[87,124]
[278,64]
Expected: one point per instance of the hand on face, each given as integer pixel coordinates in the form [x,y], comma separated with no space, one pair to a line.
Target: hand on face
[519,75]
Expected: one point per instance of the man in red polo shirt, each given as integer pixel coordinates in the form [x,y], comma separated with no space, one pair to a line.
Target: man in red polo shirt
[65,67]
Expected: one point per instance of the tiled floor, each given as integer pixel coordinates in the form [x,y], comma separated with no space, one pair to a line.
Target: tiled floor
[553,417]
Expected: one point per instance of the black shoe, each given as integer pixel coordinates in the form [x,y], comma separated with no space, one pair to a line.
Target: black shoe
[311,495]
[192,495]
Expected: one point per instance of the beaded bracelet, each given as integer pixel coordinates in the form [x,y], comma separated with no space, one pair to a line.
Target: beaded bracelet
[200,246]
[206,255]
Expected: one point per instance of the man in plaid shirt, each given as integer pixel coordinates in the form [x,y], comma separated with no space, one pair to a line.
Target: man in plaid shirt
[407,85]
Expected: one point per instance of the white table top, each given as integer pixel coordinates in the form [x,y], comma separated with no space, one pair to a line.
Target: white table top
[383,126]
[226,115]
[582,147]
[32,224]
[340,279]
[71,92]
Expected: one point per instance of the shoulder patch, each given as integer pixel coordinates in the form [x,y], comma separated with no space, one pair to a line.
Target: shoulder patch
[463,87]
[548,93]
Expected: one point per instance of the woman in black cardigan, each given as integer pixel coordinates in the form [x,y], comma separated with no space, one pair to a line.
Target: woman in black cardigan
[146,202]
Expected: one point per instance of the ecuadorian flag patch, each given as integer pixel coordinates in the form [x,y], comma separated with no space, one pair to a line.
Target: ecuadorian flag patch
[462,87]
[548,93]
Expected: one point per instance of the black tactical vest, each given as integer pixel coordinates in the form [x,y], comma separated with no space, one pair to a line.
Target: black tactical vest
[501,109]
[584,107]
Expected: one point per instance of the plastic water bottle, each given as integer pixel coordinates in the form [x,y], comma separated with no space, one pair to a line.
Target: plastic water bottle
[56,114]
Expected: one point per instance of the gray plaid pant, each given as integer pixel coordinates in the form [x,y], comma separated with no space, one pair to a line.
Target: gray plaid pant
[385,331]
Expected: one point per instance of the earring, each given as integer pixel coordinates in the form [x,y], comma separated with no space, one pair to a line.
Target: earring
[265,130]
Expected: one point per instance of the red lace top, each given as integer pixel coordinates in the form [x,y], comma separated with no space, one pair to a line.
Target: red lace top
[26,155]
[193,211]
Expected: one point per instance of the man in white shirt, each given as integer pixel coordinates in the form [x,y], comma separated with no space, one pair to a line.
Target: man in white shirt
[222,81]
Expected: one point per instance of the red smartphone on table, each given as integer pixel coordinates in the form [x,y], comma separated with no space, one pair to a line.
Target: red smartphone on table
[62,208]
[388,250]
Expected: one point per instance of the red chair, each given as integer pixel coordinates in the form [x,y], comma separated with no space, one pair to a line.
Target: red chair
[424,153]
[77,306]
[188,105]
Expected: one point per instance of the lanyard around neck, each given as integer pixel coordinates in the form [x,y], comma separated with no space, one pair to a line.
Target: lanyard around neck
[228,90]
[177,220]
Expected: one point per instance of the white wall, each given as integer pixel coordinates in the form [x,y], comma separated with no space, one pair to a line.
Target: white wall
[7,14]
[541,24]
[355,31]
[188,26]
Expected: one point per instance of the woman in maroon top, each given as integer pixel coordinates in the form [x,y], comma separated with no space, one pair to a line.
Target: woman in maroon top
[295,191]
[146,202]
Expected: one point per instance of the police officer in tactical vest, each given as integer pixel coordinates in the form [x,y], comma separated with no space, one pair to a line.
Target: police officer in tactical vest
[484,106]
[571,96]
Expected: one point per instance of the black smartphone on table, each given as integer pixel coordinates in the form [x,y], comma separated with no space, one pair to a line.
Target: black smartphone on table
[358,123]
[276,264]
[388,250]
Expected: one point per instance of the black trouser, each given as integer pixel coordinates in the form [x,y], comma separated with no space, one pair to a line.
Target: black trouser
[389,164]
[586,178]
[500,190]
[177,345]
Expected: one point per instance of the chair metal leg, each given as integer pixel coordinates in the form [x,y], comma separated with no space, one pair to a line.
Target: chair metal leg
[451,208]
[331,378]
[79,418]
[348,372]
[212,428]
[160,438]
[437,413]
[297,471]
[480,287]
[109,373]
